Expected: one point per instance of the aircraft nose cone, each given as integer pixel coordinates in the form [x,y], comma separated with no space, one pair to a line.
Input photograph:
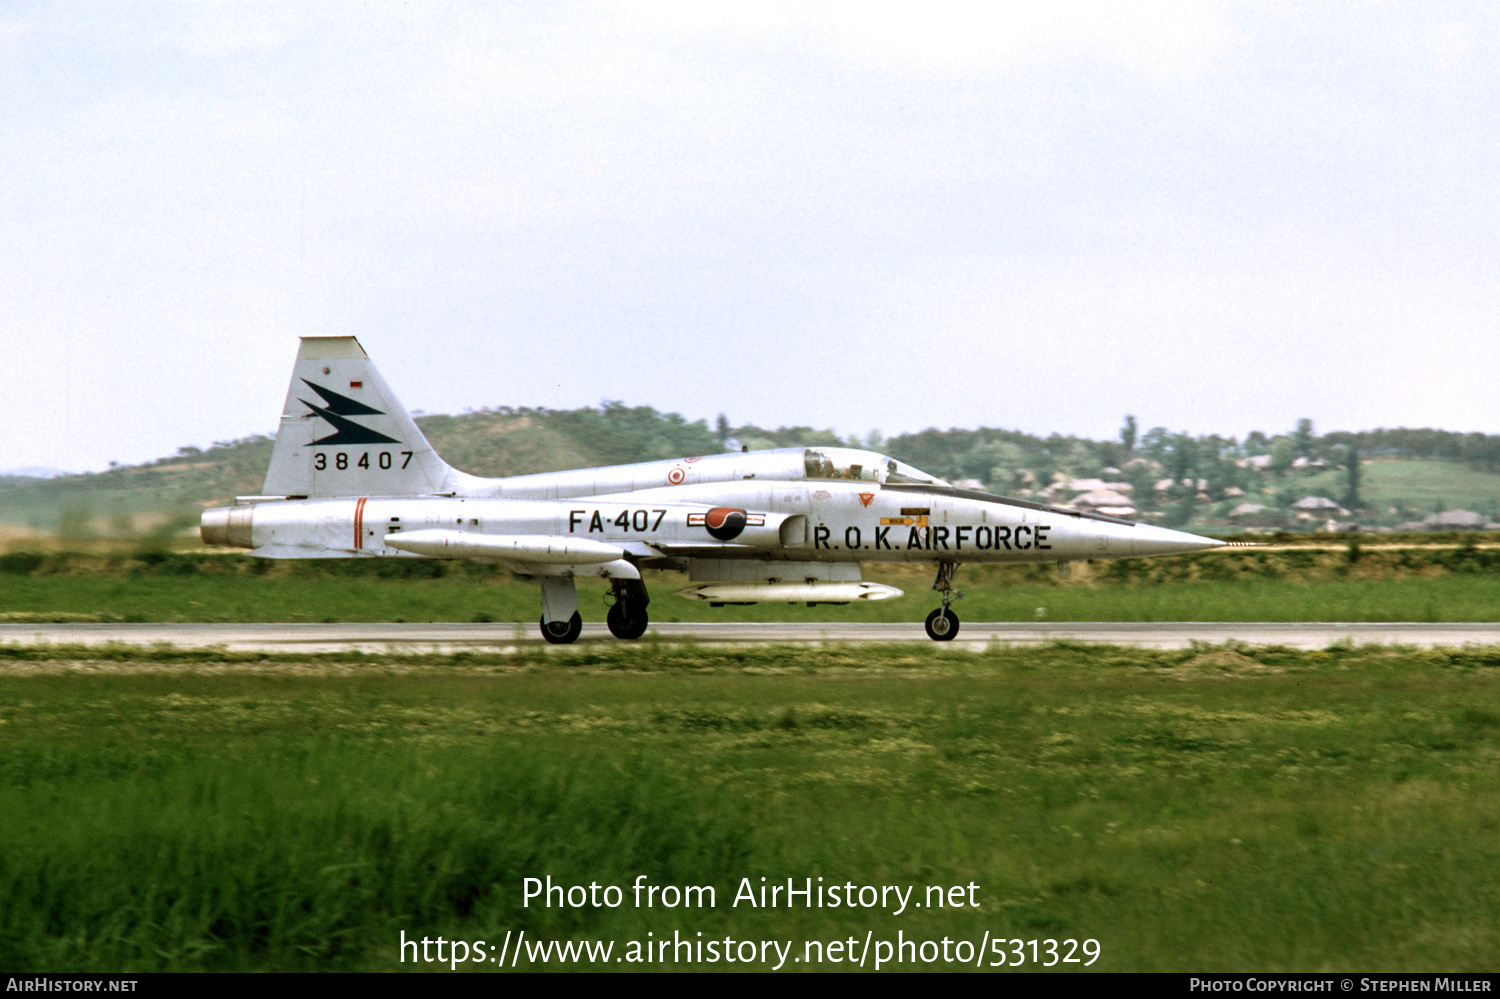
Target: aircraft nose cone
[1149,540]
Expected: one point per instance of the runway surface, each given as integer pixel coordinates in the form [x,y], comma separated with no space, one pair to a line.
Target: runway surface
[455,637]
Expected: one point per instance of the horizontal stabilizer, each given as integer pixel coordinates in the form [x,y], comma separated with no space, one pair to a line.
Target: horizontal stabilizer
[541,548]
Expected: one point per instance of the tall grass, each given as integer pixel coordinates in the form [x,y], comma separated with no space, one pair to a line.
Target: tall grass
[215,597]
[1454,583]
[1208,809]
[310,853]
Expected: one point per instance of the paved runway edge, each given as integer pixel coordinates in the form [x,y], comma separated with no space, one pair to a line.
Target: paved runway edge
[452,637]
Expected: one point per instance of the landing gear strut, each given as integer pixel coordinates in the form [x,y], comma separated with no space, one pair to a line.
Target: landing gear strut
[561,622]
[627,615]
[942,624]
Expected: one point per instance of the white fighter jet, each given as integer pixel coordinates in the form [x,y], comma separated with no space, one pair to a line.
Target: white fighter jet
[351,476]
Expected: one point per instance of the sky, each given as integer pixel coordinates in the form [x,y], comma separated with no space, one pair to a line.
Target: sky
[1216,217]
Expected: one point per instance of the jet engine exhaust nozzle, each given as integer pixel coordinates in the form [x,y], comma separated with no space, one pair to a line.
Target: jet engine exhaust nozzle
[226,526]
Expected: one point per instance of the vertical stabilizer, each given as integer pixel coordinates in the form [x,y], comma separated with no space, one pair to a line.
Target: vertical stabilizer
[343,432]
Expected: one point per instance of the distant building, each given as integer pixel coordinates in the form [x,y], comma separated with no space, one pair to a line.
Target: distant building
[1317,509]
[1314,504]
[1455,520]
[1256,515]
[1105,501]
[1089,485]
[1198,485]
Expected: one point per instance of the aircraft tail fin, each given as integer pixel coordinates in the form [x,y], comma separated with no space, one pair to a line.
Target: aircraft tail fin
[344,433]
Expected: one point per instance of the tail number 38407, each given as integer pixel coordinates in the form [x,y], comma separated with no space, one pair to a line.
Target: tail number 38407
[343,460]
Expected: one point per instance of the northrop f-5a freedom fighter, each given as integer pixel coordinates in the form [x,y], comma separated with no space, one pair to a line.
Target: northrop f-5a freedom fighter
[351,476]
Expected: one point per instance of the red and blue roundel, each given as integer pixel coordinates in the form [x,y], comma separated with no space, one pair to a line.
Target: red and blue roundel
[724,523]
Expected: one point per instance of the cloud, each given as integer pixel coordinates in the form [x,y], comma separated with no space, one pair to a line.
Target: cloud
[967,41]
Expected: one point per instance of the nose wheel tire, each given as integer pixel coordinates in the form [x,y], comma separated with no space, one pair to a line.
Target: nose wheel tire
[562,632]
[942,625]
[626,622]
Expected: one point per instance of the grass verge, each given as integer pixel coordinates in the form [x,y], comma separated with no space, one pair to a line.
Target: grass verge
[1451,584]
[1226,808]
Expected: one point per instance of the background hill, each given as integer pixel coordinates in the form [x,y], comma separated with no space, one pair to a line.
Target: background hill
[1377,479]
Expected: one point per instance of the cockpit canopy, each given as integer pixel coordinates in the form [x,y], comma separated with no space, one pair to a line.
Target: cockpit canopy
[853,464]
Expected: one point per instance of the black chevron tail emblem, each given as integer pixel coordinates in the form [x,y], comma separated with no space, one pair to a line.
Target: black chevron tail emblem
[337,409]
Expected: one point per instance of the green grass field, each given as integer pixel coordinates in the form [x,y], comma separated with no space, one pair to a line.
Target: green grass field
[235,599]
[1448,584]
[1196,810]
[1421,486]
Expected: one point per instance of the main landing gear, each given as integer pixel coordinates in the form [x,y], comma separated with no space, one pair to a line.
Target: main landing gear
[561,623]
[942,624]
[562,632]
[627,615]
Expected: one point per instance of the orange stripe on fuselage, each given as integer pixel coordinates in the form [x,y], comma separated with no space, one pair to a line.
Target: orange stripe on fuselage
[359,522]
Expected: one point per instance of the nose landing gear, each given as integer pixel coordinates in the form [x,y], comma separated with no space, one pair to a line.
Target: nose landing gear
[942,624]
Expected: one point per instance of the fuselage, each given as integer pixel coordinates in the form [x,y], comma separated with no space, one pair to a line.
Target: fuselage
[813,504]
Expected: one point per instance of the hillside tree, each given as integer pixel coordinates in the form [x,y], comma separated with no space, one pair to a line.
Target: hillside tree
[1351,493]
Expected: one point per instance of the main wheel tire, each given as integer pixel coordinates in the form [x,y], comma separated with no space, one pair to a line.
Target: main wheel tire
[625,623]
[562,632]
[942,625]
